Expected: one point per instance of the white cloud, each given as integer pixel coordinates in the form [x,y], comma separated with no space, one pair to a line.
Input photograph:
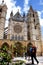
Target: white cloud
[41,2]
[40,19]
[0,1]
[41,22]
[15,9]
[26,7]
[6,23]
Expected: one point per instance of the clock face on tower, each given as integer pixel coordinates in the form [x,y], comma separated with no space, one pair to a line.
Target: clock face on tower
[17,28]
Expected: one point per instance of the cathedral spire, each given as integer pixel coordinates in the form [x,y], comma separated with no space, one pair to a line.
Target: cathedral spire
[18,10]
[2,1]
[11,14]
[31,9]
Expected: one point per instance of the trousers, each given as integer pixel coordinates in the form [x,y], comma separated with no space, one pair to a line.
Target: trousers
[34,57]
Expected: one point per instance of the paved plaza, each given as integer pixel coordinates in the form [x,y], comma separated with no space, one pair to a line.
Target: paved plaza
[40,60]
[28,62]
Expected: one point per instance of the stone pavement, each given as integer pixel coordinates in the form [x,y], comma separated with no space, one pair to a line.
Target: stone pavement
[35,64]
[28,62]
[40,59]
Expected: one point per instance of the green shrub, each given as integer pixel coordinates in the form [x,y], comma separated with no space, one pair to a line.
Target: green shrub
[18,63]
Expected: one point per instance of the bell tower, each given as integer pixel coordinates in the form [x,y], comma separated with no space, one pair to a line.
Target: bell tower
[34,31]
[3,11]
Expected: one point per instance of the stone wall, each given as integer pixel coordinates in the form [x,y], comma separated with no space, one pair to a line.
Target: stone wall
[38,45]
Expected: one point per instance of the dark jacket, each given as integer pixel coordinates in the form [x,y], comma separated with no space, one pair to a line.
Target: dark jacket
[33,51]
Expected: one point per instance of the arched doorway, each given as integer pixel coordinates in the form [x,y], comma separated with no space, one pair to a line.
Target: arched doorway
[5,46]
[18,49]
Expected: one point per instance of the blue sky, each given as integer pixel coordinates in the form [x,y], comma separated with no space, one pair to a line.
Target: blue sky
[23,6]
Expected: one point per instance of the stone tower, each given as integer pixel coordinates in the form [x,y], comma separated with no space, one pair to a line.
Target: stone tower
[3,11]
[33,27]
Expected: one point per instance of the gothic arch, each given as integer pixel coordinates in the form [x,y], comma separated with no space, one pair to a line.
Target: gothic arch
[29,44]
[18,43]
[18,47]
[5,44]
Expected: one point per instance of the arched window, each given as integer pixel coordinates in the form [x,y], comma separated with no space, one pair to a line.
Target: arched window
[0,9]
[5,36]
[33,14]
[12,37]
[15,37]
[18,37]
[22,38]
[28,35]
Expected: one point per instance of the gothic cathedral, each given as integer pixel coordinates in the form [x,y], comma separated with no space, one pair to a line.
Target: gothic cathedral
[22,28]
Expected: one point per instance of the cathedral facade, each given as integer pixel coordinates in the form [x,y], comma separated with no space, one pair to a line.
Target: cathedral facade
[24,28]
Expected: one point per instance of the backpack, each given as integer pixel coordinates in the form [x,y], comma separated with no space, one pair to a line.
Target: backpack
[30,50]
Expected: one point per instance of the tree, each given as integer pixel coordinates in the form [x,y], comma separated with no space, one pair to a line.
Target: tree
[18,49]
[5,55]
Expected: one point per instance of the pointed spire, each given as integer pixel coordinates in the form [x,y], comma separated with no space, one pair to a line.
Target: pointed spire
[24,19]
[2,1]
[18,10]
[24,14]
[31,9]
[11,13]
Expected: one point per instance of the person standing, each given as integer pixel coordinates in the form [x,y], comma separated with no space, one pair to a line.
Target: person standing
[33,54]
